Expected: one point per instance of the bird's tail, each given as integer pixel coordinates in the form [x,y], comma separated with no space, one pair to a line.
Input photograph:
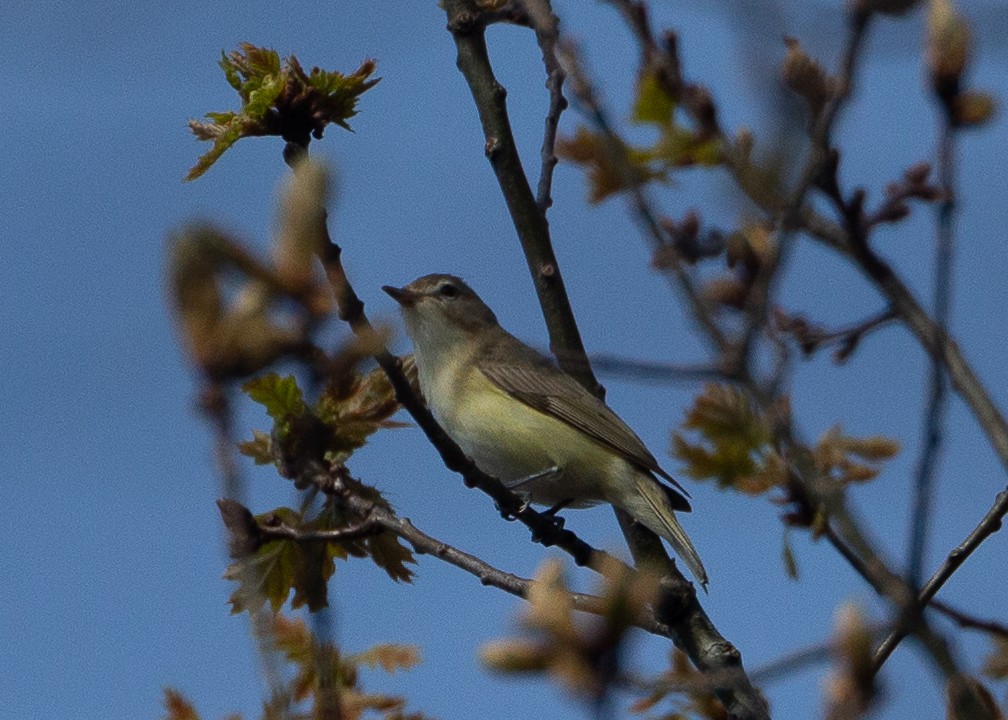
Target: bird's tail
[655,512]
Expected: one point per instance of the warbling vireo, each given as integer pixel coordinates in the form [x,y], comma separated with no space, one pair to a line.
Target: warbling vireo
[525,421]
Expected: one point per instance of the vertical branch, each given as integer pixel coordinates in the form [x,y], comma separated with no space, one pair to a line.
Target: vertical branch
[938,388]
[545,23]
[467,25]
[692,629]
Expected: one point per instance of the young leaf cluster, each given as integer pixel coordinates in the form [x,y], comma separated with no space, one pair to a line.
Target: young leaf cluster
[304,436]
[278,98]
[734,447]
[611,170]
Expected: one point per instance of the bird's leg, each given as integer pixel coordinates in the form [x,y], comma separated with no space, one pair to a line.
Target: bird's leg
[520,486]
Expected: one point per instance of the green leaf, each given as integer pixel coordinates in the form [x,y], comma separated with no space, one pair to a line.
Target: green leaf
[653,104]
[679,147]
[258,448]
[391,556]
[280,567]
[278,98]
[281,396]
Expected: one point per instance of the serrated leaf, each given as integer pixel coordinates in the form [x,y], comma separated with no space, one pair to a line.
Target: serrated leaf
[388,553]
[354,408]
[280,567]
[281,396]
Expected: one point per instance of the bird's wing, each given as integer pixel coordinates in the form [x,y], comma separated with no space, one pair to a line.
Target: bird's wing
[523,373]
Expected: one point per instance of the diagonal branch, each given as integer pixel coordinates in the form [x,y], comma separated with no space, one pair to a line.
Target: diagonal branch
[377,518]
[544,529]
[987,526]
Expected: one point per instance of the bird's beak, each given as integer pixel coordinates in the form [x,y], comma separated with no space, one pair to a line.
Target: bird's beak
[403,296]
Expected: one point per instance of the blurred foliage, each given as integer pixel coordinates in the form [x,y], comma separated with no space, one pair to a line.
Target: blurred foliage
[278,98]
[996,665]
[581,652]
[614,165]
[689,692]
[320,681]
[239,312]
[850,688]
[735,446]
[968,699]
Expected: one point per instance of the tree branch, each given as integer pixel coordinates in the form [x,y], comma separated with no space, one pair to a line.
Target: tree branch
[927,463]
[545,530]
[545,23]
[692,629]
[466,24]
[376,518]
[987,526]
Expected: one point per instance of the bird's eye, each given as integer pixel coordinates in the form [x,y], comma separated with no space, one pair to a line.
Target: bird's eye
[448,291]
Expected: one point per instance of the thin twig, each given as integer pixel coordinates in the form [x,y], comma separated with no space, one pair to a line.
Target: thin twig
[545,23]
[589,104]
[965,620]
[820,156]
[377,518]
[927,462]
[544,529]
[806,487]
[216,405]
[656,372]
[913,315]
[989,525]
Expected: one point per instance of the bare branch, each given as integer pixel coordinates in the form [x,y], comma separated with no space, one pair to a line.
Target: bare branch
[917,320]
[938,387]
[377,518]
[989,525]
[812,338]
[544,528]
[467,24]
[545,23]
[965,620]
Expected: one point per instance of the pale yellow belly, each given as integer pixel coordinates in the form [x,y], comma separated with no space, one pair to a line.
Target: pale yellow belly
[513,441]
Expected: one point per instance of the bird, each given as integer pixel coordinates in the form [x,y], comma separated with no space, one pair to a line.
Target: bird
[525,421]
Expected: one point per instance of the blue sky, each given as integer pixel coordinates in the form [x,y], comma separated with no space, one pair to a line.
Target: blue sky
[113,554]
